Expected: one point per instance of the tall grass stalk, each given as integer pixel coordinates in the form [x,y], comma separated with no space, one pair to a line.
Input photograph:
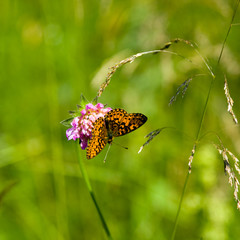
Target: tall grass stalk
[90,190]
[179,206]
[202,119]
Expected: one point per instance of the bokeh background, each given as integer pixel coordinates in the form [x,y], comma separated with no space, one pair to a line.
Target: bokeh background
[50,53]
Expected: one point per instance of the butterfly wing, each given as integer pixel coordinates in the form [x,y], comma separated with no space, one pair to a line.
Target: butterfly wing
[98,140]
[113,120]
[129,123]
[119,122]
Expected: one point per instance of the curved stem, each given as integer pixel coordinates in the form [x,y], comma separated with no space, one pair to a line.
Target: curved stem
[89,187]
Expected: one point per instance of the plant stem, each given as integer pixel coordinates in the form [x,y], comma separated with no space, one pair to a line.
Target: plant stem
[196,142]
[179,207]
[229,29]
[89,187]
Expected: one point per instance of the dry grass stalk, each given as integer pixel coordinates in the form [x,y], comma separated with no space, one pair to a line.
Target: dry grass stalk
[190,159]
[232,178]
[183,88]
[229,101]
[114,68]
[150,137]
[236,184]
[236,161]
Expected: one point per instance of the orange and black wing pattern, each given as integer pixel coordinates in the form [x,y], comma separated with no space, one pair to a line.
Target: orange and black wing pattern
[120,122]
[98,140]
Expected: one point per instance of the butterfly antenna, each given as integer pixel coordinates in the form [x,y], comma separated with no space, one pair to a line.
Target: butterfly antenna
[107,153]
[120,145]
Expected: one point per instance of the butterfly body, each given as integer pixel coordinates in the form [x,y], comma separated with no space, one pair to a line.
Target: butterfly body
[109,132]
[115,123]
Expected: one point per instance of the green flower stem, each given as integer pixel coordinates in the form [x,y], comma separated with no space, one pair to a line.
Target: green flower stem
[86,179]
[179,207]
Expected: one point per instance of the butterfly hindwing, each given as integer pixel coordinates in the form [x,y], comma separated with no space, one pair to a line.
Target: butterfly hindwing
[98,140]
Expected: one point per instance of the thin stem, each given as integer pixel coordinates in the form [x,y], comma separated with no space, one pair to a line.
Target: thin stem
[230,26]
[195,144]
[89,187]
[179,206]
[204,110]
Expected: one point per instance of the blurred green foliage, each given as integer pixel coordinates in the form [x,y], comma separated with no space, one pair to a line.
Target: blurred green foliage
[50,53]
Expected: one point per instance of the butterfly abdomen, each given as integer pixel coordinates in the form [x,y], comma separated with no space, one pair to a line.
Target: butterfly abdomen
[109,132]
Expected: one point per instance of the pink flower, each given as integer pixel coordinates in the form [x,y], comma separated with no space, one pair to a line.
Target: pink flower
[82,126]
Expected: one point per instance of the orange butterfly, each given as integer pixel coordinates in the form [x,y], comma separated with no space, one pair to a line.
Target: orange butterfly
[115,123]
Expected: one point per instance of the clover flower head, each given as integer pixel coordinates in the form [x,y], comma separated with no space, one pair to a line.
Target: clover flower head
[82,125]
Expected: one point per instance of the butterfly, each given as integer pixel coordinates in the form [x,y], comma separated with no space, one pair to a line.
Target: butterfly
[115,123]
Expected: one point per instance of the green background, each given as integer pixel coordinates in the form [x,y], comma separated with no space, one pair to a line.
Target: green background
[50,53]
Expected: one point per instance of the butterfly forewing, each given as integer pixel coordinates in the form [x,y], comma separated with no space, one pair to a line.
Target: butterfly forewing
[98,140]
[129,123]
[121,123]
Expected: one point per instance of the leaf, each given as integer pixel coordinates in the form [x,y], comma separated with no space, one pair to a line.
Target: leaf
[67,122]
[83,101]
